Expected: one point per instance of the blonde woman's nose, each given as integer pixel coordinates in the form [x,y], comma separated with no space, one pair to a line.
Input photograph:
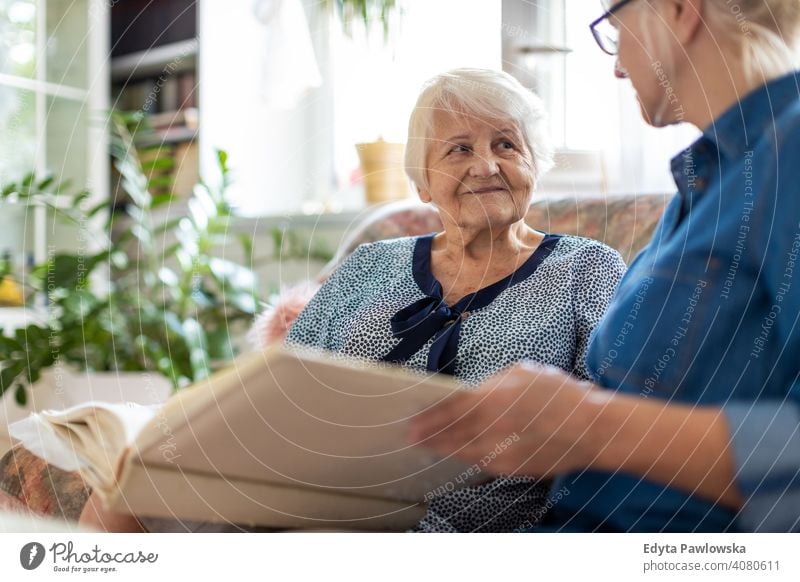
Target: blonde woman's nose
[619,70]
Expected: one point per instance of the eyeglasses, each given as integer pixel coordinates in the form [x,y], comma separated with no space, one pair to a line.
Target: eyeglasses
[605,33]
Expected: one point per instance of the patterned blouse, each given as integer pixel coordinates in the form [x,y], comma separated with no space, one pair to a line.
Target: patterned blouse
[383,303]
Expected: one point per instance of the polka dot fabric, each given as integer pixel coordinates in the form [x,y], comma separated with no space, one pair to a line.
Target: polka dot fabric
[546,317]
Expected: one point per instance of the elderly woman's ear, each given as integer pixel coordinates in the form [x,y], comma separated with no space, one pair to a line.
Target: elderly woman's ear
[424,195]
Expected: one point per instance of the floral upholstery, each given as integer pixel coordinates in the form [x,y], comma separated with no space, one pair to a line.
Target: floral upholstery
[624,223]
[29,484]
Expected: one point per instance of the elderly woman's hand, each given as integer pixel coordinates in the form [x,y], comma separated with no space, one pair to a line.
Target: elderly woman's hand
[530,420]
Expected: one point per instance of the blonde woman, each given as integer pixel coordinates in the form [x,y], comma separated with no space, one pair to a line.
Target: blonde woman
[692,422]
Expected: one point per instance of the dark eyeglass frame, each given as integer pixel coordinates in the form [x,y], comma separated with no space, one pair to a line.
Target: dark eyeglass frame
[593,26]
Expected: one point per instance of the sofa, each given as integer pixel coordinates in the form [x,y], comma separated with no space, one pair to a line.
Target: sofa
[626,223]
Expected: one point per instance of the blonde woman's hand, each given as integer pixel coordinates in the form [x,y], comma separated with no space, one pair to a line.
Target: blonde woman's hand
[529,420]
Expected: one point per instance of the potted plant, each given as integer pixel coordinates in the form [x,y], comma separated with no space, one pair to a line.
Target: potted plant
[381,161]
[172,305]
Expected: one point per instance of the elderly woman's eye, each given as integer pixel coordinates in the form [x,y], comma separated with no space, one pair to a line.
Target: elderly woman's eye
[458,149]
[507,145]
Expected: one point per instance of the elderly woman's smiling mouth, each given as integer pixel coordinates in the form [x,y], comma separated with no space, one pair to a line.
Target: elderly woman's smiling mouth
[495,188]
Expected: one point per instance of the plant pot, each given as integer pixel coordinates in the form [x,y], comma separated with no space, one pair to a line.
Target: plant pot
[384,174]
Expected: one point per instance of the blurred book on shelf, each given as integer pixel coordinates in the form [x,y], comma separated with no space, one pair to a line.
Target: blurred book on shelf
[154,71]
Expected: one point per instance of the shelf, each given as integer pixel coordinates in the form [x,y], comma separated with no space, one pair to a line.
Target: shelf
[170,136]
[171,119]
[178,56]
[543,50]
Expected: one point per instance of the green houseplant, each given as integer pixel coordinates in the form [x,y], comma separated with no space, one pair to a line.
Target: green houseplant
[366,11]
[172,305]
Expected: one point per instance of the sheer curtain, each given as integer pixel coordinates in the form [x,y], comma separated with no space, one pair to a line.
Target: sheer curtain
[591,111]
[302,158]
[377,84]
[603,114]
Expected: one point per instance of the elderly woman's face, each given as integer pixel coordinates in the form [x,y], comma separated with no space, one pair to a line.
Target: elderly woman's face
[480,172]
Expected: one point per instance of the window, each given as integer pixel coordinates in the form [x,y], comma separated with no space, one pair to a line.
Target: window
[375,89]
[51,90]
[604,145]
[303,158]
[603,114]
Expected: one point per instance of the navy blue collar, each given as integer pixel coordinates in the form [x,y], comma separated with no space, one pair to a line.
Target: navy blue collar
[430,317]
[423,274]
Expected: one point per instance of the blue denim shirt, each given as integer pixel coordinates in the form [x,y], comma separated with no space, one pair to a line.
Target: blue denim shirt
[708,314]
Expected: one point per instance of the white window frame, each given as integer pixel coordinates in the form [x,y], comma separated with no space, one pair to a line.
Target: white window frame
[94,97]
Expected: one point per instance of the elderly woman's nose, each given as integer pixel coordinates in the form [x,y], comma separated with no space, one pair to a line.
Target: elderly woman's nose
[483,166]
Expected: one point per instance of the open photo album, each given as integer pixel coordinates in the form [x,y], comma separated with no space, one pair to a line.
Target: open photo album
[281,438]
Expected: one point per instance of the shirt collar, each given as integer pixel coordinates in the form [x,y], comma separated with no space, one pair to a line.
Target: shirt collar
[733,133]
[742,125]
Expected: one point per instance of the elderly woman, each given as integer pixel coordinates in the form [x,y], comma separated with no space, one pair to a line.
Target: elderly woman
[487,291]
[691,423]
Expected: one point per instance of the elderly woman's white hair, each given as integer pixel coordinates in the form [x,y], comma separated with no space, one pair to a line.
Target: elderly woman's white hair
[484,94]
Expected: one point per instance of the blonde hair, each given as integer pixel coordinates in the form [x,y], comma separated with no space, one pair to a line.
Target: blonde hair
[484,94]
[768,29]
[765,31]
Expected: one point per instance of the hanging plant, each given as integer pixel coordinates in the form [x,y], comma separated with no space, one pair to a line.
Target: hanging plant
[369,12]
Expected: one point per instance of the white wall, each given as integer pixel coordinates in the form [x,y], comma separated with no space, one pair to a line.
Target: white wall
[285,158]
[273,151]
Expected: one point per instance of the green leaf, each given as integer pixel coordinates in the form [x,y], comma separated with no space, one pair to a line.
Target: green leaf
[231,274]
[28,180]
[205,197]
[119,260]
[163,163]
[142,234]
[167,226]
[62,186]
[174,324]
[9,374]
[198,348]
[161,199]
[81,304]
[104,205]
[220,346]
[8,344]
[80,197]
[242,300]
[170,250]
[247,248]
[158,182]
[199,217]
[21,395]
[65,271]
[168,277]
[222,159]
[46,183]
